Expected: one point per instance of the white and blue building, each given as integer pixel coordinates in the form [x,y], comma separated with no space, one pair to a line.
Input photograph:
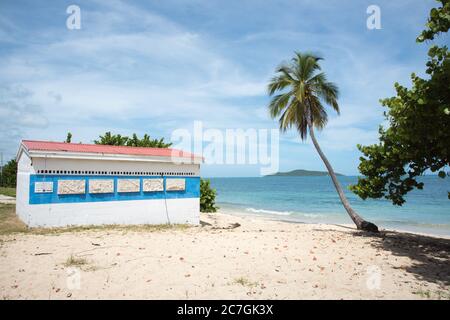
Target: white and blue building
[63,184]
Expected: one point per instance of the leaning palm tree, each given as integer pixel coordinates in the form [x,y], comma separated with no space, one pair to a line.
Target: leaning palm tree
[302,92]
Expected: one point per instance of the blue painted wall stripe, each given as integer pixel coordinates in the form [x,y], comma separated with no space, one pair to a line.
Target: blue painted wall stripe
[192,190]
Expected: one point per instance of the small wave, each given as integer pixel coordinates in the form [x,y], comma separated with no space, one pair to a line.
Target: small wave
[285,213]
[281,213]
[311,215]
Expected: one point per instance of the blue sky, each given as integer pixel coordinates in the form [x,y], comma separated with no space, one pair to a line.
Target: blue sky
[155,66]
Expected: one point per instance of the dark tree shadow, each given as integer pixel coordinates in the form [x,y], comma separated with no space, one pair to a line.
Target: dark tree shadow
[430,255]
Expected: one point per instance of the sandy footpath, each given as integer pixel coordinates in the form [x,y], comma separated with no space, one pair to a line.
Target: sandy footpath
[260,259]
[7,200]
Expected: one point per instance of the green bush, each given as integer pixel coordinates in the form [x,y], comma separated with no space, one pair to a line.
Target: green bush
[207,197]
[9,174]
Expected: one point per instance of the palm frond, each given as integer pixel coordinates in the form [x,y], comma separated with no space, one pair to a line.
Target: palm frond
[286,70]
[327,91]
[302,122]
[279,103]
[306,64]
[278,83]
[318,114]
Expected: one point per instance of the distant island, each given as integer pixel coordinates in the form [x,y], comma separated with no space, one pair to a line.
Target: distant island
[301,173]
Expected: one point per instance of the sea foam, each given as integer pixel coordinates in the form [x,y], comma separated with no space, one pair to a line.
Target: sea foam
[281,213]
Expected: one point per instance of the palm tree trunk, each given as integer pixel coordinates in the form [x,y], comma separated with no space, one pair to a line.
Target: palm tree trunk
[361,224]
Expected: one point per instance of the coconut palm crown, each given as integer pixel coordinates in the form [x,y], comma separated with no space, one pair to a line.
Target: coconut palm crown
[304,89]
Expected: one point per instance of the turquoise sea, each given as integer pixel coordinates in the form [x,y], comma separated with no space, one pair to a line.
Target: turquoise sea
[314,200]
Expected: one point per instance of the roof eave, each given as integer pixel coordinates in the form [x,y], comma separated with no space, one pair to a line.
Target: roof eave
[22,149]
[117,157]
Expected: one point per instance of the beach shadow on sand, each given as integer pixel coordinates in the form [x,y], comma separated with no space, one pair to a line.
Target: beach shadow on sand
[430,255]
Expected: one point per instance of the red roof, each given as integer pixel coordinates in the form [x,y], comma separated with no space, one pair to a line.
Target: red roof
[105,149]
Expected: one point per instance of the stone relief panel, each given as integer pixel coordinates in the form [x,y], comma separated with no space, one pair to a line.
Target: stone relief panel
[175,184]
[101,186]
[152,185]
[128,185]
[71,187]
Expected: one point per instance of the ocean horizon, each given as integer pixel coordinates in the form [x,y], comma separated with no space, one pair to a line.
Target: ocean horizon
[314,200]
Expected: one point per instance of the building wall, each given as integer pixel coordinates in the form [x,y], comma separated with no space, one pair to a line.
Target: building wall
[24,169]
[41,203]
[180,211]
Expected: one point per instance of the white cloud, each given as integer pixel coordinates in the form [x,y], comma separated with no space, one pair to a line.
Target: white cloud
[158,70]
[346,139]
[17,111]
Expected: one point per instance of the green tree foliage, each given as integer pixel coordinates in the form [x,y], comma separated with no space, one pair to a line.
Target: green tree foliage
[438,22]
[134,141]
[9,174]
[69,137]
[207,197]
[418,136]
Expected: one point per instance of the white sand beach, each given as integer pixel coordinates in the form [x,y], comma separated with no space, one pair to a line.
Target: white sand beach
[259,259]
